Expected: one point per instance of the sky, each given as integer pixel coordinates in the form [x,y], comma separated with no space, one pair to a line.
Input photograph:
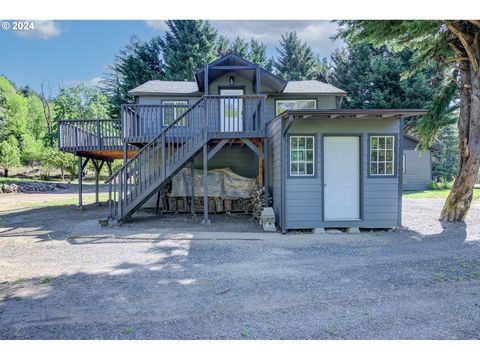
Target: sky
[68,53]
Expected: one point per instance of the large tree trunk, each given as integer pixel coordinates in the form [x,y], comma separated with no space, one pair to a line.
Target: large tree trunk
[458,201]
[5,172]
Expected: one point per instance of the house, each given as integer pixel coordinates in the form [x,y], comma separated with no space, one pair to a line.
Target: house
[321,166]
[416,165]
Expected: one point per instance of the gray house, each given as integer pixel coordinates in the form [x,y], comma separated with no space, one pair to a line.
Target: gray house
[417,165]
[320,166]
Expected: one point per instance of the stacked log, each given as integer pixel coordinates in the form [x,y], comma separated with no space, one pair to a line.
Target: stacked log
[258,202]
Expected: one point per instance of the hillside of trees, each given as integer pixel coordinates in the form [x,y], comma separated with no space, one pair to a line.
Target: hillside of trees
[374,77]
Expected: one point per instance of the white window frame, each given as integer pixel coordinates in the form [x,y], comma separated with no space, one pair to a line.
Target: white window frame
[175,116]
[378,149]
[305,161]
[292,100]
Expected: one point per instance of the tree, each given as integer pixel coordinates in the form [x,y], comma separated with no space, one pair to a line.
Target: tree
[47,100]
[188,45]
[296,60]
[136,63]
[454,47]
[445,158]
[9,154]
[223,46]
[14,119]
[372,77]
[37,125]
[240,47]
[258,55]
[81,102]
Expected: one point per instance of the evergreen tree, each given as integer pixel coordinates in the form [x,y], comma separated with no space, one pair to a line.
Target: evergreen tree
[188,45]
[445,158]
[296,60]
[136,63]
[258,55]
[372,77]
[240,47]
[223,46]
[454,48]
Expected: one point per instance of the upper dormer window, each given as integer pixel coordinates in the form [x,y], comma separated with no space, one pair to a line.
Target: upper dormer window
[283,105]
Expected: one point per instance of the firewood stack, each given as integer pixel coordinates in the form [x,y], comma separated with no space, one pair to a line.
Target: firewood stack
[258,201]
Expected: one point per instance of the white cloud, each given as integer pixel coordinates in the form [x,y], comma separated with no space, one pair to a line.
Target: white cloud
[94,82]
[157,24]
[316,33]
[43,29]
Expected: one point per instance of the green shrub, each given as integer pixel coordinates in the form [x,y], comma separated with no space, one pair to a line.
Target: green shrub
[434,185]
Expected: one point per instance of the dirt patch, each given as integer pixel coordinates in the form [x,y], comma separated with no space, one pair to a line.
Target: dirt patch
[62,276]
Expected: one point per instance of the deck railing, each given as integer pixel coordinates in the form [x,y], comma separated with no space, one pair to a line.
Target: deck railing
[228,116]
[174,145]
[84,135]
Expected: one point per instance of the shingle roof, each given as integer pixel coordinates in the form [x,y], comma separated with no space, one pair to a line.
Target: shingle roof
[312,86]
[156,87]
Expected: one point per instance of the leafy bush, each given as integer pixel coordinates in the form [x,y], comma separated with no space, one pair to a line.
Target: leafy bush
[434,185]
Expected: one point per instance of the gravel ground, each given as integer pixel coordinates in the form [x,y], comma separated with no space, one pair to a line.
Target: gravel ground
[62,277]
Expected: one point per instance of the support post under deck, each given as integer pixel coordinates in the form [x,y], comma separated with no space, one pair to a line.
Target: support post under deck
[80,171]
[265,171]
[192,190]
[205,220]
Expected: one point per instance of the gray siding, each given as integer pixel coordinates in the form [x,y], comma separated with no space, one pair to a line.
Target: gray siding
[274,130]
[325,102]
[418,170]
[379,196]
[241,160]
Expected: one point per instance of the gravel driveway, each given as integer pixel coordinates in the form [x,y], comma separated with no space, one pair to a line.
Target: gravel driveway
[61,277]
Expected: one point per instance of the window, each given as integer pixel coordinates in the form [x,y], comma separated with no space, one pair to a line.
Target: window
[302,155]
[172,109]
[282,105]
[382,155]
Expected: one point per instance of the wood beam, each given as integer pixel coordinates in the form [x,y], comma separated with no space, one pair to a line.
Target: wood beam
[251,146]
[217,148]
[205,81]
[289,123]
[232,67]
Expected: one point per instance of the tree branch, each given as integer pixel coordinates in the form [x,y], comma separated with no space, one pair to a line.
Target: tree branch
[475,22]
[463,39]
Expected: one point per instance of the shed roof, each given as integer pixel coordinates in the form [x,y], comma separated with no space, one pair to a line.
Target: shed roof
[353,113]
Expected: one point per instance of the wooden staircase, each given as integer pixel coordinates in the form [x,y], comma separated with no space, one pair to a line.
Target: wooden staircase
[175,145]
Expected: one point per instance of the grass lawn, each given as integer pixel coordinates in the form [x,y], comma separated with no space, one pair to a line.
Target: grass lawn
[18,180]
[435,194]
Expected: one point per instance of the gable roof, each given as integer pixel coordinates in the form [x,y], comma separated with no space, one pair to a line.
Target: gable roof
[312,86]
[160,87]
[218,68]
[245,69]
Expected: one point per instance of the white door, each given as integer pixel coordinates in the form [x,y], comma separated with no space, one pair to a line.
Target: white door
[341,177]
[231,110]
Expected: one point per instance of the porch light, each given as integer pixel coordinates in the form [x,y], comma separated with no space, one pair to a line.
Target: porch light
[231,81]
